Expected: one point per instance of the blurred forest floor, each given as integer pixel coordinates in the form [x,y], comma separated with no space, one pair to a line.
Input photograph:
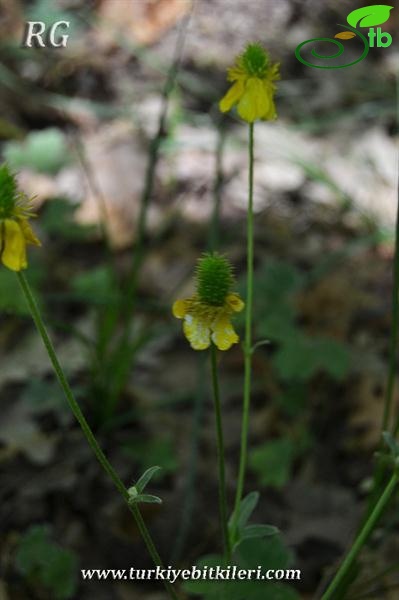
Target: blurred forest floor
[76,124]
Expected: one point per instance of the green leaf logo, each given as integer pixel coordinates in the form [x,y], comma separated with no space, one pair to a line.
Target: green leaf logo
[368,16]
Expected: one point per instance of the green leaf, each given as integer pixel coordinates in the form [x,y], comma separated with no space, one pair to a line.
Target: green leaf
[275,289]
[293,399]
[254,554]
[44,151]
[60,574]
[269,552]
[257,531]
[369,16]
[146,477]
[301,357]
[278,323]
[207,588]
[272,462]
[279,280]
[392,444]
[247,507]
[136,498]
[45,562]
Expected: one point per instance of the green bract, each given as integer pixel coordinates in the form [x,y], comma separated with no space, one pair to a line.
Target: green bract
[8,192]
[255,60]
[214,279]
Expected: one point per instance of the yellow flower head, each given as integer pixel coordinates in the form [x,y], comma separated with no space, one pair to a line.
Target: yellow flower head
[253,88]
[207,313]
[15,231]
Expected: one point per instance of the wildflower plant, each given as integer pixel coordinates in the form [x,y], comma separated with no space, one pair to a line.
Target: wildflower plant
[253,76]
[207,317]
[16,232]
[207,323]
[252,91]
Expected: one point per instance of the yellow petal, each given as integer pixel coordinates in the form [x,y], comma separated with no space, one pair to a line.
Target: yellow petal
[223,335]
[197,332]
[234,302]
[13,255]
[232,97]
[274,73]
[256,102]
[235,73]
[180,308]
[29,235]
[270,110]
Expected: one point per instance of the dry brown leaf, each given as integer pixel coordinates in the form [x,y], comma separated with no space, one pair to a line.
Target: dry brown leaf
[147,20]
[345,35]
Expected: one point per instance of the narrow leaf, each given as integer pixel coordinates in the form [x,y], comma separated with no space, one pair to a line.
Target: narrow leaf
[391,443]
[258,531]
[145,478]
[146,498]
[247,507]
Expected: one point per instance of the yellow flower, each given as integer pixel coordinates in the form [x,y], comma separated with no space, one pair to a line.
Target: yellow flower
[204,323]
[15,231]
[208,312]
[253,88]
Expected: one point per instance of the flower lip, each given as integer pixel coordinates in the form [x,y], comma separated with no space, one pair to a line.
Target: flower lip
[205,324]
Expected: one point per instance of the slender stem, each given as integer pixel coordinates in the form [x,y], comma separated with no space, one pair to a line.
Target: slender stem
[221,458]
[248,334]
[379,471]
[134,509]
[128,303]
[187,520]
[152,164]
[393,346]
[362,538]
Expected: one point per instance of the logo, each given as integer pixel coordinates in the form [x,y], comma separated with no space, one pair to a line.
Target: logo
[36,35]
[368,16]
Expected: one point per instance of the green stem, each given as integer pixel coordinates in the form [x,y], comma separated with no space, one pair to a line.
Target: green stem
[221,457]
[393,346]
[248,334]
[379,471]
[134,509]
[128,303]
[362,538]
